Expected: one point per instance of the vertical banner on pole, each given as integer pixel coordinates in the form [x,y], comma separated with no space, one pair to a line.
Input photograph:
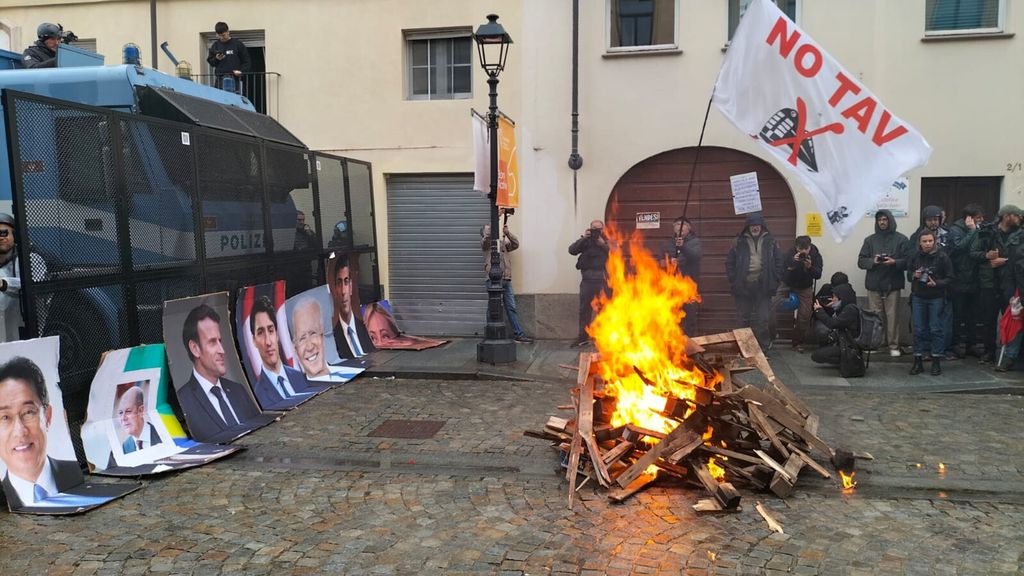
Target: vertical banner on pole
[481,154]
[508,164]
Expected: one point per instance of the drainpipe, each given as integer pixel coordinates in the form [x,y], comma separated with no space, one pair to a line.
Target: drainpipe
[152,32]
[575,160]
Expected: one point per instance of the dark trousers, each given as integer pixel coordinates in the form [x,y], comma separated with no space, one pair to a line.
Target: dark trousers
[989,306]
[589,289]
[690,321]
[753,308]
[965,318]
[827,354]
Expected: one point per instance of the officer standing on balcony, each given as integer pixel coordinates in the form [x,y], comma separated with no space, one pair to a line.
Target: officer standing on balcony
[228,56]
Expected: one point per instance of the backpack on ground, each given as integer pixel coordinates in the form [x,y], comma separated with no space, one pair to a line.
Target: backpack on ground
[872,330]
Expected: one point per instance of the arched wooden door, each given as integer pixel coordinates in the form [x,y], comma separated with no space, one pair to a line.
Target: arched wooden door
[659,183]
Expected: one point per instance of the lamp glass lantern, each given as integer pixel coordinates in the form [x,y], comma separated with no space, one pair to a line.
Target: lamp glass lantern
[492,44]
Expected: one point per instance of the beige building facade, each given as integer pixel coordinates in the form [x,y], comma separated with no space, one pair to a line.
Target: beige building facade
[354,82]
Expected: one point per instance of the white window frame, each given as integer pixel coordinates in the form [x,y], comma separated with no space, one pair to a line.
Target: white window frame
[798,11]
[409,36]
[999,28]
[674,46]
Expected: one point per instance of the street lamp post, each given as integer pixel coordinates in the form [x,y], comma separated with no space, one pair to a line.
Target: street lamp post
[492,46]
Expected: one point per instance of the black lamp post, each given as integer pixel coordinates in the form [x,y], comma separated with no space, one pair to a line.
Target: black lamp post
[492,45]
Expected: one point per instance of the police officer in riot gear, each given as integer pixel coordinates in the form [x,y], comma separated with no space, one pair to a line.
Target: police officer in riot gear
[43,54]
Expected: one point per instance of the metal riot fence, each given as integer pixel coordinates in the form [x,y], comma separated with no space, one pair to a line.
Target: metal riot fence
[118,212]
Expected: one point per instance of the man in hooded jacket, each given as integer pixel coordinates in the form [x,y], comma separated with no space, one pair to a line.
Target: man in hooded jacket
[683,252]
[754,266]
[884,256]
[963,290]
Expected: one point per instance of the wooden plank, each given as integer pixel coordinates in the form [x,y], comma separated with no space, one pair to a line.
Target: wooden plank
[574,464]
[810,462]
[772,523]
[774,465]
[726,384]
[724,493]
[677,455]
[557,424]
[713,338]
[785,416]
[783,487]
[791,398]
[711,506]
[811,425]
[751,350]
[766,429]
[585,427]
[731,454]
[620,451]
[675,439]
[638,484]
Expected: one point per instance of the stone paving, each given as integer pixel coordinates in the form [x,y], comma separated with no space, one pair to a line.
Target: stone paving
[315,494]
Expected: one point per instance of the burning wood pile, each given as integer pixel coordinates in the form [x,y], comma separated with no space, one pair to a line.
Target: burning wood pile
[652,401]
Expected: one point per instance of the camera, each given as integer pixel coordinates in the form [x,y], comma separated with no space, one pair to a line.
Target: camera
[67,37]
[926,275]
[803,255]
[883,256]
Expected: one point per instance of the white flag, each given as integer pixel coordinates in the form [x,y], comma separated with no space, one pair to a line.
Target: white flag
[481,154]
[781,88]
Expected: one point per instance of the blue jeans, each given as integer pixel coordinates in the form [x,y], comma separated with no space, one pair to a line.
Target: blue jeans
[929,328]
[509,298]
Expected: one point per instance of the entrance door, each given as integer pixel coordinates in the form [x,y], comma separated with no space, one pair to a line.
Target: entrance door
[952,194]
[435,265]
[659,184]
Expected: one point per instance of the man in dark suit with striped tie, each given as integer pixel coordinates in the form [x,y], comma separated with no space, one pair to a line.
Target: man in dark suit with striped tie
[214,406]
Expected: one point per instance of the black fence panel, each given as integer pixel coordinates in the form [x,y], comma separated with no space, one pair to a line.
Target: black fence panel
[123,212]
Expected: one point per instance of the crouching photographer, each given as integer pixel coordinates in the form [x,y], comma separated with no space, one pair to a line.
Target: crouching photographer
[844,327]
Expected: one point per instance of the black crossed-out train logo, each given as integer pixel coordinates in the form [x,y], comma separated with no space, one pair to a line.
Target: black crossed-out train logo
[788,127]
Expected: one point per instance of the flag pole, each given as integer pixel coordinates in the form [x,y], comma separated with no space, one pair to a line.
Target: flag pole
[696,156]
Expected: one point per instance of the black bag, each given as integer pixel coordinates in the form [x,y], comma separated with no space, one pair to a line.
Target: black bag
[872,330]
[851,360]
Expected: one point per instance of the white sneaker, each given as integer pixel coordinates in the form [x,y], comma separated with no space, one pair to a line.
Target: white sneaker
[895,352]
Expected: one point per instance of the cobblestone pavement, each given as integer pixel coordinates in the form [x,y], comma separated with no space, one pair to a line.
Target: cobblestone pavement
[315,494]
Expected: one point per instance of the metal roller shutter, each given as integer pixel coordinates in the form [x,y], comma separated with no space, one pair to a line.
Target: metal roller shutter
[434,261]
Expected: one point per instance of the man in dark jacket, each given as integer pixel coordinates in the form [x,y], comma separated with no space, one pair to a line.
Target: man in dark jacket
[963,291]
[683,253]
[884,256]
[992,247]
[754,265]
[43,54]
[933,219]
[802,267]
[929,271]
[592,251]
[843,323]
[228,56]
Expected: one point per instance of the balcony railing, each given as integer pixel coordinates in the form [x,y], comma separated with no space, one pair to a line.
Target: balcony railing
[261,88]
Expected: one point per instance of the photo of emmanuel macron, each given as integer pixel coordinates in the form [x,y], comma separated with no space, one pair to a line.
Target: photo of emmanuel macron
[212,404]
[25,419]
[131,413]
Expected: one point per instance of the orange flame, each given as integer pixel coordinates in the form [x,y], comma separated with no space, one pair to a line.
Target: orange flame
[848,481]
[717,472]
[638,328]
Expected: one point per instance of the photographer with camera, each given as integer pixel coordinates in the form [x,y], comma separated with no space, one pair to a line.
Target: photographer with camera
[929,271]
[228,56]
[963,290]
[803,267]
[592,250]
[43,54]
[884,256]
[683,253]
[841,317]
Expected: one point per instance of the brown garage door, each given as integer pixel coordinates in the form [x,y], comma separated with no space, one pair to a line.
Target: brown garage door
[658,184]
